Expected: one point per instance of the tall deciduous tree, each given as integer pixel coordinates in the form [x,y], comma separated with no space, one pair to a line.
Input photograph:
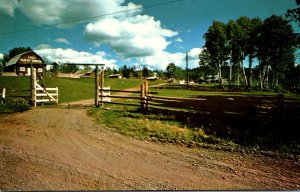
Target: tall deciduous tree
[174,72]
[276,48]
[216,45]
[294,14]
[233,33]
[206,64]
[251,47]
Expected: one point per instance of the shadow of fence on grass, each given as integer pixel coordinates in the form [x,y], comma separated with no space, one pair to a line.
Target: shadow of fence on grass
[248,120]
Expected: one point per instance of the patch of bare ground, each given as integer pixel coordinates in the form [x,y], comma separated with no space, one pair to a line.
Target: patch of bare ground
[61,148]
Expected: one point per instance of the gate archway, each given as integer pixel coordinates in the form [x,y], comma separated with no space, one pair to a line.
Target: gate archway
[43,91]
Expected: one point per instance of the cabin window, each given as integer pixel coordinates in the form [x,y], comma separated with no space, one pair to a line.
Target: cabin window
[40,70]
[22,69]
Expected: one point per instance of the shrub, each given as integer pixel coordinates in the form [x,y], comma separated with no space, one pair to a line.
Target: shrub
[16,104]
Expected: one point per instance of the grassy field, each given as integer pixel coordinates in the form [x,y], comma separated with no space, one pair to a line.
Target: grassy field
[69,89]
[211,90]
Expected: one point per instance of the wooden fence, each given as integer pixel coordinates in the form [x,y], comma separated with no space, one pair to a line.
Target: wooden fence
[45,95]
[138,95]
[2,95]
[41,94]
[213,105]
[220,105]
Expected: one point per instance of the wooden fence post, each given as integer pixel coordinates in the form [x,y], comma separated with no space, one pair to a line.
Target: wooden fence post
[3,95]
[146,95]
[33,86]
[96,87]
[142,97]
[102,85]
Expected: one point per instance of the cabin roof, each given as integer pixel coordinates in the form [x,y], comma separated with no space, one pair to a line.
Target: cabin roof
[16,58]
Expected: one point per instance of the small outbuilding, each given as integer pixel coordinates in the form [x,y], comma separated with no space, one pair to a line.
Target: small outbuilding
[21,64]
[118,76]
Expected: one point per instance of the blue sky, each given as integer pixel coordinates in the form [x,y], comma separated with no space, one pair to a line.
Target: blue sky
[146,36]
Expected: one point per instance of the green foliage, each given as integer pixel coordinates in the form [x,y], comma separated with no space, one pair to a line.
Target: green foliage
[172,71]
[126,72]
[55,68]
[68,68]
[15,104]
[13,52]
[294,14]
[145,72]
[272,42]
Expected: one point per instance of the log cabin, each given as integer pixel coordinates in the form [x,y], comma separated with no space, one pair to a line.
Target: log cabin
[21,64]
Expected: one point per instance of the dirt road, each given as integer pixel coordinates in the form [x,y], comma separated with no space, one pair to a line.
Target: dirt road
[61,148]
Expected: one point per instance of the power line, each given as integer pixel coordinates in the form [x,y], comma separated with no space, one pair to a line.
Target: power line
[89,18]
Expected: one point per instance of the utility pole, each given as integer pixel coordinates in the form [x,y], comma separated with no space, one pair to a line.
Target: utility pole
[187,70]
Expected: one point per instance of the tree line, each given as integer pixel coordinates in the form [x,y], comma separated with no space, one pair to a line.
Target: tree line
[271,43]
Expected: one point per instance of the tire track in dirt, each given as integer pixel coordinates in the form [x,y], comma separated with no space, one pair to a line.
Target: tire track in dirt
[61,148]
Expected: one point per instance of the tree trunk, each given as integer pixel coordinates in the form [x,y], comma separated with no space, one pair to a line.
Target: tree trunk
[238,74]
[250,72]
[267,77]
[230,73]
[220,76]
[244,74]
[260,76]
[230,69]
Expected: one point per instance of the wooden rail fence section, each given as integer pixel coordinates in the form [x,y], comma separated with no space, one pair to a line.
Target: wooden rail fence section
[104,94]
[220,105]
[215,105]
[144,93]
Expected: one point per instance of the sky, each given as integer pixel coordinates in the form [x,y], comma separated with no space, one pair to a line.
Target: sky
[150,33]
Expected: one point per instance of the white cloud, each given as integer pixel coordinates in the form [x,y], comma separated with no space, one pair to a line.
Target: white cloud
[43,46]
[162,59]
[72,56]
[194,53]
[61,11]
[135,36]
[178,39]
[8,7]
[130,34]
[62,40]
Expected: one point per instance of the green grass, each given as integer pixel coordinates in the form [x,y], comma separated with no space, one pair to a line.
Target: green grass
[210,90]
[158,127]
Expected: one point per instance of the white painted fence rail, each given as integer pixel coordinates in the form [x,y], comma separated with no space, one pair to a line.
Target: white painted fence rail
[45,94]
[104,93]
[2,95]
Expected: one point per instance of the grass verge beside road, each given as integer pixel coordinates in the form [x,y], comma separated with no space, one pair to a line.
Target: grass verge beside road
[156,127]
